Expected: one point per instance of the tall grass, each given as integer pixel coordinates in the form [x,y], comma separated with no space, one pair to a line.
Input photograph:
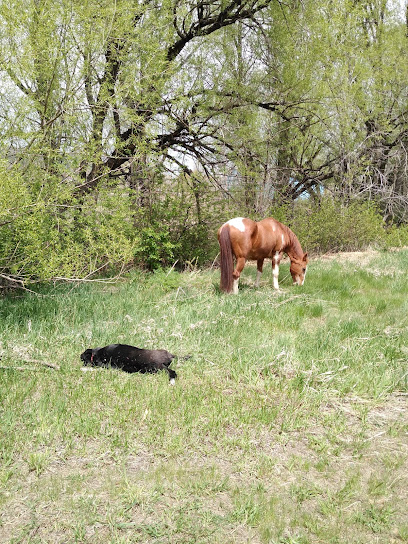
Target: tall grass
[288,424]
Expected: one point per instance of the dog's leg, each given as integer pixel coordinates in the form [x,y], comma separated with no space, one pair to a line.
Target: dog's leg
[172,376]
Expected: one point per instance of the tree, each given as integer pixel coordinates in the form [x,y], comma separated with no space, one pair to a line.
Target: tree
[104,104]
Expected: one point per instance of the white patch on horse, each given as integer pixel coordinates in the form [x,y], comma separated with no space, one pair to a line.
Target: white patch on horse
[235,287]
[275,271]
[238,223]
[172,381]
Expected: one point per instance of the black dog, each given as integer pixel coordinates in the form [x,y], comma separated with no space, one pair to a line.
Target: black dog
[130,359]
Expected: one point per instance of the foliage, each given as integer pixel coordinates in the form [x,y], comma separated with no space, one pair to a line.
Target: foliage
[329,226]
[198,245]
[155,248]
[43,237]
[397,236]
[182,223]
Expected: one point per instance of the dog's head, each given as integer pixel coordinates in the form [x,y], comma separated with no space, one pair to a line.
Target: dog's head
[88,357]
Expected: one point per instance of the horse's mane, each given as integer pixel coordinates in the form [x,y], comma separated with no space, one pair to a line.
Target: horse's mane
[293,241]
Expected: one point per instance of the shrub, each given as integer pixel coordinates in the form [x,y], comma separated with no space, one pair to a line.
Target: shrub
[181,224]
[329,225]
[396,236]
[43,235]
[155,248]
[198,244]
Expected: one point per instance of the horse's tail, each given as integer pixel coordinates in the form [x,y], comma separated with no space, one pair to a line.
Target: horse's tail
[227,263]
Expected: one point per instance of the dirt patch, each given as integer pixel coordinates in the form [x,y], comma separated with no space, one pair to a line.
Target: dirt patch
[360,257]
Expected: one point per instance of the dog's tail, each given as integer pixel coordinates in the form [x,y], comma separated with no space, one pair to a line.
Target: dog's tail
[184,357]
[178,357]
[172,373]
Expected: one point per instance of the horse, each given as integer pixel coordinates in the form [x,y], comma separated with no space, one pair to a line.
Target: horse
[246,239]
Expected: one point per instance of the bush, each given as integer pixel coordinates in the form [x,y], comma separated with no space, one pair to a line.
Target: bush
[198,244]
[181,225]
[43,235]
[328,225]
[396,236]
[155,248]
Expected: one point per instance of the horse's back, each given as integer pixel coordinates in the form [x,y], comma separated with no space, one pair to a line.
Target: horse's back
[270,237]
[269,224]
[254,240]
[242,232]
[238,225]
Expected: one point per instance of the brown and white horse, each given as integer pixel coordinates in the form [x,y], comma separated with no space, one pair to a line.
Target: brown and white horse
[247,239]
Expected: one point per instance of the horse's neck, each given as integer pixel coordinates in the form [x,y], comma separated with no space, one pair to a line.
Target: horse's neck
[293,248]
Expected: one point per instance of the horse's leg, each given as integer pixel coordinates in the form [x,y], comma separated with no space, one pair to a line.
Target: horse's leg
[275,269]
[259,265]
[237,272]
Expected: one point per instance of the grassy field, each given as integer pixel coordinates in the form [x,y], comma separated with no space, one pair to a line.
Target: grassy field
[288,424]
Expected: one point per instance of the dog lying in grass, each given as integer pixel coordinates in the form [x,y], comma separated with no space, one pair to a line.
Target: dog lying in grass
[130,359]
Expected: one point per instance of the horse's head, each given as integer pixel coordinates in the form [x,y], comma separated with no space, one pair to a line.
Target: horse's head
[298,269]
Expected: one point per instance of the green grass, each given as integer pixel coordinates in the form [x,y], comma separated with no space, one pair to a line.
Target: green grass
[287,425]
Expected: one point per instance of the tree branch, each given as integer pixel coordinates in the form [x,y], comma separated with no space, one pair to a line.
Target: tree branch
[208,22]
